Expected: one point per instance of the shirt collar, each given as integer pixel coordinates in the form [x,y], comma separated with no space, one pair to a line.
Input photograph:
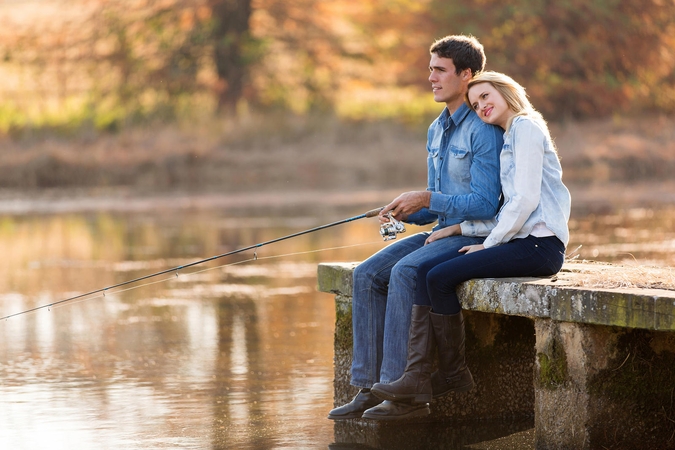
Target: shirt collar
[457,116]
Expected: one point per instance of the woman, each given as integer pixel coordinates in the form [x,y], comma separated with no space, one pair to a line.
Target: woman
[527,238]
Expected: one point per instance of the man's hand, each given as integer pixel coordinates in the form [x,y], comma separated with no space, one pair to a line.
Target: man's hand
[452,230]
[472,248]
[406,204]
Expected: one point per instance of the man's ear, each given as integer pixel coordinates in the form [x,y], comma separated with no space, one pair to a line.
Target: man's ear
[466,74]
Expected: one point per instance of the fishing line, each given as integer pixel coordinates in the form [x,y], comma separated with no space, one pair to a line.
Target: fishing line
[57,305]
[102,291]
[80,300]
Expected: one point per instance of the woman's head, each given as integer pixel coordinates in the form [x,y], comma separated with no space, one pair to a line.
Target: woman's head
[511,97]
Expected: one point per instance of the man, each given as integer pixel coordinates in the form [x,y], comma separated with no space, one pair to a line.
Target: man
[463,184]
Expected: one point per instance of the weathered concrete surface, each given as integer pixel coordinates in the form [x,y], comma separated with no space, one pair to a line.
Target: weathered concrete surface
[563,298]
[604,387]
[566,299]
[596,367]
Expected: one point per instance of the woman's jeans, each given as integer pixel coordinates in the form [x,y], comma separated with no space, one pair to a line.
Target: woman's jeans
[527,257]
[384,292]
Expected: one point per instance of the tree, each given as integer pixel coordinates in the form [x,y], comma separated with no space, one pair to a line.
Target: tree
[576,58]
[230,35]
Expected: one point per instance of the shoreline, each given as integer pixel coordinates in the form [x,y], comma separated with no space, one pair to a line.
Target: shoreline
[586,199]
[305,154]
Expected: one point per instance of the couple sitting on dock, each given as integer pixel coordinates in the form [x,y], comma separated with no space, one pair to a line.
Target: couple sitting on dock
[489,147]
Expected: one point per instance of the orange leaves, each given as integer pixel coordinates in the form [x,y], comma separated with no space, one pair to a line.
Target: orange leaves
[575,57]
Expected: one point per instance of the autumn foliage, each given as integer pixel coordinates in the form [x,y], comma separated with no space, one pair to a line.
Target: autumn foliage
[111,63]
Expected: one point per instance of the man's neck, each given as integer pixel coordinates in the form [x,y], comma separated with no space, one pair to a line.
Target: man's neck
[454,106]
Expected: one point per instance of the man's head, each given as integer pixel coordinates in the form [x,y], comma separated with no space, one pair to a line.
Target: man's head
[465,51]
[454,61]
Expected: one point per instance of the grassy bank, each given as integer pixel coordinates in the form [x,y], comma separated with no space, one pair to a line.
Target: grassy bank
[283,152]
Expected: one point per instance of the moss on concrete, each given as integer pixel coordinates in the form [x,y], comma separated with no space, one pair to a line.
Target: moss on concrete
[343,324]
[335,277]
[553,364]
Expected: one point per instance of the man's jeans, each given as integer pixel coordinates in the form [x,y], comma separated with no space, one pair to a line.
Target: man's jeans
[384,292]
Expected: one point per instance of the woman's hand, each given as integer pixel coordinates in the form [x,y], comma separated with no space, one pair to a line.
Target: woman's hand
[472,248]
[452,230]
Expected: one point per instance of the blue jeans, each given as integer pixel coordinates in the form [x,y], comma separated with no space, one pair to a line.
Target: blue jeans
[527,257]
[384,292]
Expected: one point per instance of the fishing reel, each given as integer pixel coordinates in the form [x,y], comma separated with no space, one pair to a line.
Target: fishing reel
[389,230]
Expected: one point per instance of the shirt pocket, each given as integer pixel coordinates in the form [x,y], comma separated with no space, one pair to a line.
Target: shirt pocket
[459,163]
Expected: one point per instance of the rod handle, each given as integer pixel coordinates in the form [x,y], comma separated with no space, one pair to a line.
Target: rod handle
[374,212]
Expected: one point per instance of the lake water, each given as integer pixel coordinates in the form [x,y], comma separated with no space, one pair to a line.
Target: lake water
[235,353]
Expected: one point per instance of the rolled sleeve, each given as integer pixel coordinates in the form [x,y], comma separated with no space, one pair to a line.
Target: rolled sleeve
[477,228]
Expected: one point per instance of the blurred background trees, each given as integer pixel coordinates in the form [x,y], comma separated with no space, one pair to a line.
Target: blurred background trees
[107,64]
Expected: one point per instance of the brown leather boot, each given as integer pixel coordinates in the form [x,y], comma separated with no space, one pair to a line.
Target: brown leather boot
[452,375]
[415,384]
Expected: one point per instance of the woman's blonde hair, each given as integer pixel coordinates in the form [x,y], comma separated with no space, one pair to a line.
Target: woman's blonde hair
[514,94]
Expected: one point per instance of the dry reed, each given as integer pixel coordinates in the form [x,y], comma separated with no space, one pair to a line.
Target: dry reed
[598,275]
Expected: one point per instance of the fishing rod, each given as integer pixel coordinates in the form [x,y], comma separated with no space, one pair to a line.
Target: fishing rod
[388,231]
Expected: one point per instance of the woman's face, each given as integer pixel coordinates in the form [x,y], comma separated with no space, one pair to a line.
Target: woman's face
[489,104]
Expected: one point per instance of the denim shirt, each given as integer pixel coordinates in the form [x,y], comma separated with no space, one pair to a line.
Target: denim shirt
[532,184]
[462,169]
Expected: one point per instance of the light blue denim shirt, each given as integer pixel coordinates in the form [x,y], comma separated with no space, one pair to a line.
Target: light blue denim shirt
[532,184]
[462,169]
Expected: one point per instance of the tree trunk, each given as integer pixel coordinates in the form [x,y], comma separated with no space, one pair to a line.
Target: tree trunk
[230,33]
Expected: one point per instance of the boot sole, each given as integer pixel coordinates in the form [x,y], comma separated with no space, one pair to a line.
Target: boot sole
[422,411]
[346,416]
[412,398]
[351,415]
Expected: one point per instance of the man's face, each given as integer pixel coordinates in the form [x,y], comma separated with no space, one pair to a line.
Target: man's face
[448,87]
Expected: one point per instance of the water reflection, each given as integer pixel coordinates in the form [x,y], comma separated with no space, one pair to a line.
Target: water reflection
[222,356]
[237,353]
[639,236]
